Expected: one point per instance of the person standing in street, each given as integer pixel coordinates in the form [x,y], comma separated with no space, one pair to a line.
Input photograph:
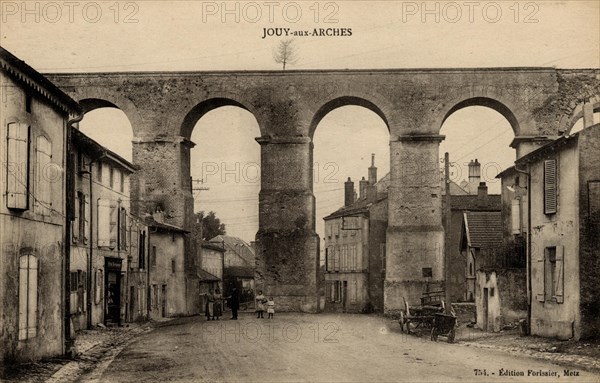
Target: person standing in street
[260,304]
[218,304]
[210,302]
[270,307]
[234,303]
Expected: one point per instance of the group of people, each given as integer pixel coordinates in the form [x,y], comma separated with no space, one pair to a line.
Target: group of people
[262,303]
[214,304]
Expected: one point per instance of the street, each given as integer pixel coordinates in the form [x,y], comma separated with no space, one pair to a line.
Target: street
[314,348]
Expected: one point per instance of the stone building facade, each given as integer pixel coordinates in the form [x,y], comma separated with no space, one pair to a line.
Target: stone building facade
[355,248]
[33,117]
[564,190]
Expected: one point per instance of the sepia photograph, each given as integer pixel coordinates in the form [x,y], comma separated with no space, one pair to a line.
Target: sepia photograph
[300,191]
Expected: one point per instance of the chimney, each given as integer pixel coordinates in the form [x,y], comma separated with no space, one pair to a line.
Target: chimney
[363,188]
[372,171]
[482,193]
[348,192]
[474,172]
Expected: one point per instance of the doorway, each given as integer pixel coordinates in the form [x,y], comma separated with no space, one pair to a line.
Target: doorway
[112,286]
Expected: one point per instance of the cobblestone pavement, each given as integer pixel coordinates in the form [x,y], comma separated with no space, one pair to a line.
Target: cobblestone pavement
[91,347]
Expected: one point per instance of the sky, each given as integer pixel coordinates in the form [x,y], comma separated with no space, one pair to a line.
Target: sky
[85,36]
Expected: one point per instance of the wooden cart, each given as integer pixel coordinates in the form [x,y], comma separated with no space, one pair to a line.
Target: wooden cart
[445,325]
[417,318]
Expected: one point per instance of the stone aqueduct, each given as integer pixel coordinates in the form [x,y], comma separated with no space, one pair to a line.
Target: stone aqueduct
[163,108]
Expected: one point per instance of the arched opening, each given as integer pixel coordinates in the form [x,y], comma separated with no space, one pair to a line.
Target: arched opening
[578,126]
[107,124]
[351,142]
[225,164]
[478,134]
[478,129]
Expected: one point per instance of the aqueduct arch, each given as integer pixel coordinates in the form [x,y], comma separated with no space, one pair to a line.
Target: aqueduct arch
[287,106]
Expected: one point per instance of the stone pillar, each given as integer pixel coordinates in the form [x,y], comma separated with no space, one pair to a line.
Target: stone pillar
[415,235]
[162,179]
[287,246]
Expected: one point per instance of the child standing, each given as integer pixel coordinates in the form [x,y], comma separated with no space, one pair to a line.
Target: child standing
[270,307]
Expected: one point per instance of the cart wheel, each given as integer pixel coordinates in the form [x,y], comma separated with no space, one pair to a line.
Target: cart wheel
[402,322]
[451,336]
[434,334]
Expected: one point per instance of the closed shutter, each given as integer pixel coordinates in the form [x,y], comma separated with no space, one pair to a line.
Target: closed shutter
[17,166]
[122,229]
[515,216]
[28,271]
[113,226]
[559,277]
[43,193]
[86,220]
[75,224]
[538,277]
[103,223]
[550,190]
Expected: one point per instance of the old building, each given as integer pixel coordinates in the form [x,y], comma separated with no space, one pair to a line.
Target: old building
[461,278]
[168,274]
[564,194]
[104,236]
[34,115]
[355,248]
[238,263]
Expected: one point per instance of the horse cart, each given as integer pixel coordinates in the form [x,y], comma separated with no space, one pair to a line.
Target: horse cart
[429,317]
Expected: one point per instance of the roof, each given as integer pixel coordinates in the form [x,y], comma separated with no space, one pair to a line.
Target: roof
[236,245]
[475,203]
[213,246]
[35,80]
[483,229]
[239,271]
[552,146]
[205,276]
[89,146]
[163,226]
[362,205]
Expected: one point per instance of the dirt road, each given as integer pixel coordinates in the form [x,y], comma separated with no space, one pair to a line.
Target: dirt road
[315,348]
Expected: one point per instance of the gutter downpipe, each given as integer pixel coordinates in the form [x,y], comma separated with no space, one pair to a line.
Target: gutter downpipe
[90,257]
[529,293]
[67,242]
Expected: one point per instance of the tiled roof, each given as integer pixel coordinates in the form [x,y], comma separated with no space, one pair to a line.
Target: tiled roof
[483,228]
[205,276]
[236,245]
[473,202]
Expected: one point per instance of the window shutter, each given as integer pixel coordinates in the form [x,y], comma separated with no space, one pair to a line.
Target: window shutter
[43,159]
[550,191]
[28,270]
[539,278]
[17,165]
[75,224]
[122,229]
[103,223]
[32,297]
[86,220]
[113,224]
[515,216]
[560,276]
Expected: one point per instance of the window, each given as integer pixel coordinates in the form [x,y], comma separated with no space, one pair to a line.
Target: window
[28,100]
[548,275]
[28,296]
[173,265]
[17,166]
[335,291]
[515,216]
[122,182]
[141,249]
[427,272]
[336,259]
[113,225]
[103,222]
[84,215]
[99,172]
[353,291]
[111,176]
[43,192]
[550,189]
[153,256]
[353,265]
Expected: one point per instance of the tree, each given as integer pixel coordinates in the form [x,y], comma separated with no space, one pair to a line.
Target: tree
[208,226]
[286,53]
